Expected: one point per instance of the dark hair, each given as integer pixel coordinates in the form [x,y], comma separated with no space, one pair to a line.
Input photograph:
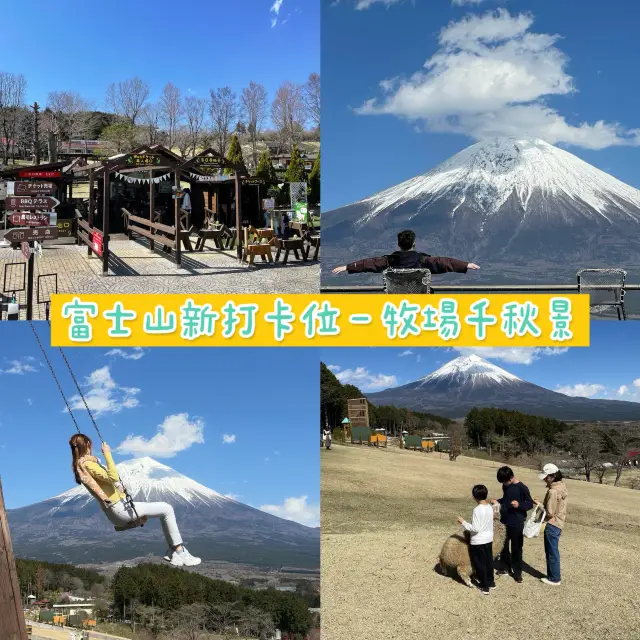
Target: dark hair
[406,239]
[557,476]
[480,492]
[504,474]
[80,446]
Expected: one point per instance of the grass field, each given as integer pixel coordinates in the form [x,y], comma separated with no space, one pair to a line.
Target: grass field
[385,515]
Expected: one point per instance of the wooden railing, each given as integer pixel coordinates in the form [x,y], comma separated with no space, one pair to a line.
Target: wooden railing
[166,237]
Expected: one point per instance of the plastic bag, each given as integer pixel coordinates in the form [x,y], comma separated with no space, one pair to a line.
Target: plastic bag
[534,522]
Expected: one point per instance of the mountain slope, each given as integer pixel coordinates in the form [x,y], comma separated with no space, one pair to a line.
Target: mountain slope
[469,381]
[71,528]
[521,208]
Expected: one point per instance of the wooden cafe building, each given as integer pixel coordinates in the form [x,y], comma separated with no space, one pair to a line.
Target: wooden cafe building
[141,192]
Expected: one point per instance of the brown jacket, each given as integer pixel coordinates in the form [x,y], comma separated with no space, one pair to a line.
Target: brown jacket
[555,504]
[408,260]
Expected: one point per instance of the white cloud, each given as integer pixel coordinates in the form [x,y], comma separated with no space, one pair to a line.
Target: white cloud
[275,8]
[408,352]
[622,390]
[490,77]
[514,355]
[636,383]
[362,378]
[365,4]
[105,395]
[587,390]
[176,433]
[20,367]
[229,438]
[460,3]
[334,368]
[128,354]
[296,509]
[232,496]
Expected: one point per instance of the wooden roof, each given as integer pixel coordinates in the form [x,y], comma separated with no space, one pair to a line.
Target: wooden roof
[50,166]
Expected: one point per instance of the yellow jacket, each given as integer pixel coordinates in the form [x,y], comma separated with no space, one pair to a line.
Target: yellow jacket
[106,479]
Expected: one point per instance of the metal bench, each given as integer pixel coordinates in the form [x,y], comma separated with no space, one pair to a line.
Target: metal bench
[605,287]
[407,280]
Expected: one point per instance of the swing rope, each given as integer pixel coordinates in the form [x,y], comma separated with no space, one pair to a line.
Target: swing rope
[128,497]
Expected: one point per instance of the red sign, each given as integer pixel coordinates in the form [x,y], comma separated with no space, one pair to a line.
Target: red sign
[15,203]
[29,173]
[30,219]
[96,242]
[26,250]
[33,188]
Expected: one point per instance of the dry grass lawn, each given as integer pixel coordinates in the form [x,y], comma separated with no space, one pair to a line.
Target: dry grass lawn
[385,515]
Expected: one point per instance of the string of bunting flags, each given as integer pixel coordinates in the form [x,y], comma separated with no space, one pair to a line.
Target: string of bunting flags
[131,180]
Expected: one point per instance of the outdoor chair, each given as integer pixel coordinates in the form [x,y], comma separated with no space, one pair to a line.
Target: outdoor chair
[407,280]
[605,287]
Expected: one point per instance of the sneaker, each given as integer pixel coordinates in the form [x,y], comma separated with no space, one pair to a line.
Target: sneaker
[169,555]
[492,586]
[484,592]
[176,560]
[518,579]
[503,572]
[186,558]
[550,582]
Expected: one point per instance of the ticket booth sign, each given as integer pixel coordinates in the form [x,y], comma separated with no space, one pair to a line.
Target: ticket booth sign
[97,243]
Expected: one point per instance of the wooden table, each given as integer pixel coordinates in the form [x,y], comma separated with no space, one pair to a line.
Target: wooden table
[292,244]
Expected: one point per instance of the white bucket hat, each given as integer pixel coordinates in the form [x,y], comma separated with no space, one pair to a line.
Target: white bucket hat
[548,470]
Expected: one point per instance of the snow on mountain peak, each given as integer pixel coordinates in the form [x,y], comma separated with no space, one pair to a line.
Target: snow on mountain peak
[471,367]
[149,480]
[487,173]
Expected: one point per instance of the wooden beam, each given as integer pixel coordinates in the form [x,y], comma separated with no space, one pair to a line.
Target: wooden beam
[105,225]
[238,216]
[92,205]
[151,204]
[177,219]
[12,624]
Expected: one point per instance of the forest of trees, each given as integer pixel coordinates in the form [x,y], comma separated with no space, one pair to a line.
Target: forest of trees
[181,122]
[184,601]
[333,409]
[45,577]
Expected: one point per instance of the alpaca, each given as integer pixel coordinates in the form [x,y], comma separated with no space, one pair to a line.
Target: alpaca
[455,551]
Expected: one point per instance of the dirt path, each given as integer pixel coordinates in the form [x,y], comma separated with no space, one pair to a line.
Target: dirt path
[385,515]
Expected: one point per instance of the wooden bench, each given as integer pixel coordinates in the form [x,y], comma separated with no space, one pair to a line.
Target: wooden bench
[292,244]
[313,241]
[253,250]
[219,236]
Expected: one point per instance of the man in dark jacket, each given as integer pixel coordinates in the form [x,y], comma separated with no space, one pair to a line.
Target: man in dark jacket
[407,258]
[514,504]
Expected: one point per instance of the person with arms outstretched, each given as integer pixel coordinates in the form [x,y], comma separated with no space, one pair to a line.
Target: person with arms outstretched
[407,258]
[103,482]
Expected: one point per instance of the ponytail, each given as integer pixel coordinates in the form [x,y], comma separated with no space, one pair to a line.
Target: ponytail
[80,447]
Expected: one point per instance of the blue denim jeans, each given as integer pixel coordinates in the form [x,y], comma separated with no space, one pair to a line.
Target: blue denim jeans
[551,540]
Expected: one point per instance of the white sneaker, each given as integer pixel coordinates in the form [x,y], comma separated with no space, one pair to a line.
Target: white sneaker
[169,555]
[186,558]
[176,560]
[550,582]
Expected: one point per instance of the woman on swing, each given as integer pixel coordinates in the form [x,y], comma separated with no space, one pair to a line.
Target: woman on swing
[102,484]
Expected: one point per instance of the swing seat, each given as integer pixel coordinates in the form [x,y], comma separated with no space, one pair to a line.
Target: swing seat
[138,522]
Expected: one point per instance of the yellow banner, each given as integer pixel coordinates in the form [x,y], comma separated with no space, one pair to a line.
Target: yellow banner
[308,320]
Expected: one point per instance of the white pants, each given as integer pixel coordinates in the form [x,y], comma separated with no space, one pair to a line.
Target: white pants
[121,514]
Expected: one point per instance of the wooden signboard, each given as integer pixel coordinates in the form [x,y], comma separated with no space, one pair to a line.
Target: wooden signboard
[258,181]
[32,233]
[142,159]
[65,229]
[26,203]
[33,219]
[12,623]
[211,161]
[33,188]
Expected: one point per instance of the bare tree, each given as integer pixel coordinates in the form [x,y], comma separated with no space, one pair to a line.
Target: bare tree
[171,110]
[68,115]
[195,109]
[223,107]
[182,140]
[311,97]
[253,107]
[150,124]
[585,442]
[127,98]
[456,433]
[288,112]
[619,441]
[13,88]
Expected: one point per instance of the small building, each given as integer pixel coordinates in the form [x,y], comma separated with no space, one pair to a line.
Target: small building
[74,608]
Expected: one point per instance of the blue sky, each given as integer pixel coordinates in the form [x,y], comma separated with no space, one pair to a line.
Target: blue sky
[609,368]
[561,71]
[197,45]
[225,421]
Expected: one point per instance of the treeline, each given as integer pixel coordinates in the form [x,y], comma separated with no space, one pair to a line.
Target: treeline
[178,121]
[186,598]
[333,409]
[41,577]
[512,432]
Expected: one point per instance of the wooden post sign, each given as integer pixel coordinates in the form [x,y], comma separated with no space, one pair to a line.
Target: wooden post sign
[30,203]
[33,188]
[31,173]
[49,219]
[12,623]
[142,159]
[211,162]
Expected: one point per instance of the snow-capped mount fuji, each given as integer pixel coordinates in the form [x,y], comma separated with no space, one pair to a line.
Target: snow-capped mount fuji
[71,527]
[521,208]
[470,381]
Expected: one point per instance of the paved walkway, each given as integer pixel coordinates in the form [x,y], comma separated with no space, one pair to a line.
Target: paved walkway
[134,268]
[48,632]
